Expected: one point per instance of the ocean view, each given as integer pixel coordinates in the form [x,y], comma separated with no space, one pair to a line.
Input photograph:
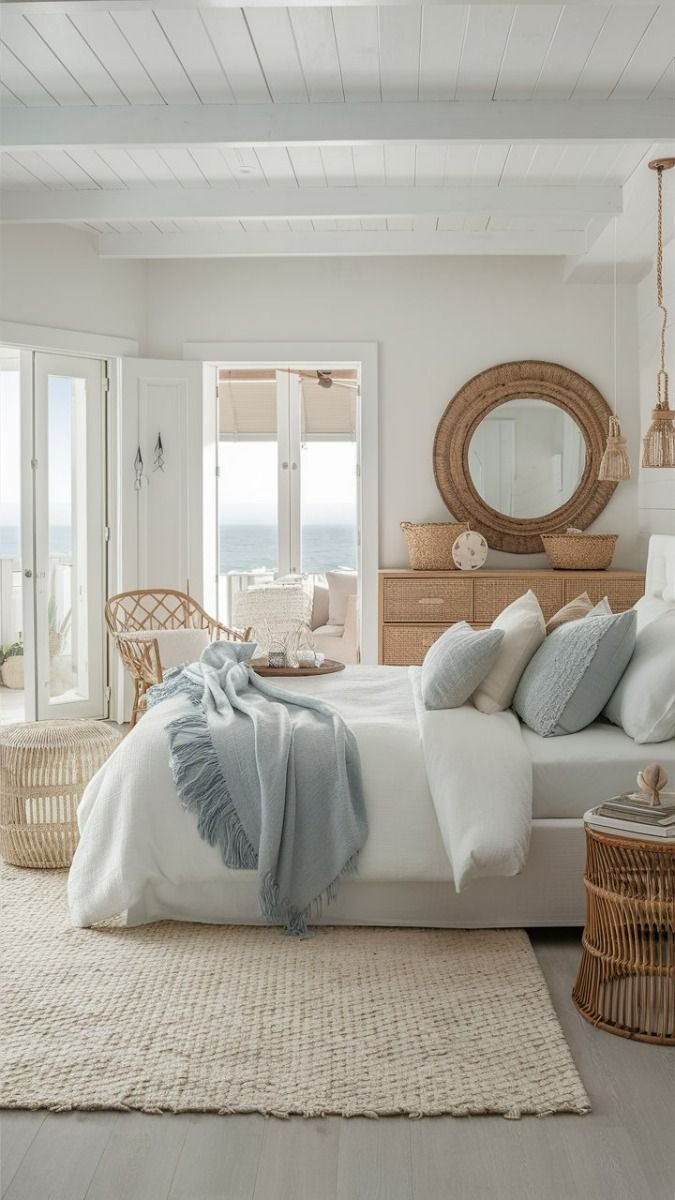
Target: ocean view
[242,547]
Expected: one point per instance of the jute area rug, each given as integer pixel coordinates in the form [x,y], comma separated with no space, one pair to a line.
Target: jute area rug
[176,1017]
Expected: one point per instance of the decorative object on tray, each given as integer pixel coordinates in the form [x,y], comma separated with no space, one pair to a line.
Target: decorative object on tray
[469,551]
[44,769]
[579,551]
[430,543]
[518,450]
[626,978]
[659,440]
[327,666]
[641,813]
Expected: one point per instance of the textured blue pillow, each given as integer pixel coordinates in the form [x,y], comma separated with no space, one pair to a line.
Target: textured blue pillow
[571,677]
[457,663]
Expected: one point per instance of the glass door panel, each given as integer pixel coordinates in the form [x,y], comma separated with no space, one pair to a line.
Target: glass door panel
[69,529]
[12,627]
[328,483]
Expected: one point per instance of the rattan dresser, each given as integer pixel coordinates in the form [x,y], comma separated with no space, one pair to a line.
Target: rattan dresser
[417,606]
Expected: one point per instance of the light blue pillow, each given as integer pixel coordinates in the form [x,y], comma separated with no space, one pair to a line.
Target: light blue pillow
[571,677]
[457,664]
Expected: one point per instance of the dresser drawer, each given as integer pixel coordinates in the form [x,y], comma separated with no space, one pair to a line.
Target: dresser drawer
[490,596]
[406,645]
[433,600]
[621,593]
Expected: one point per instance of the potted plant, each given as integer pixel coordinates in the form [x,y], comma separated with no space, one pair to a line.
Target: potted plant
[57,632]
[11,665]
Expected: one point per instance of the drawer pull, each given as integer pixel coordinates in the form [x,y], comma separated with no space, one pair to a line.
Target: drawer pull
[433,601]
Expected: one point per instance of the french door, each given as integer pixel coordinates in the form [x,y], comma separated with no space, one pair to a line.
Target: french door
[63,538]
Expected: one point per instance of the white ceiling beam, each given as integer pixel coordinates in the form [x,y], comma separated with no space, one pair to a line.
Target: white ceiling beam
[231,202]
[348,124]
[26,7]
[238,244]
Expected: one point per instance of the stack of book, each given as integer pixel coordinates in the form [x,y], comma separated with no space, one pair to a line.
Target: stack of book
[632,815]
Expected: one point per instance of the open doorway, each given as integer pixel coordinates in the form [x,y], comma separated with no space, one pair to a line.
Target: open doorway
[288,499]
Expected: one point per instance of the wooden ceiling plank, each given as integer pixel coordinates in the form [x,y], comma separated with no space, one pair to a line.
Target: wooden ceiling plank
[20,81]
[233,45]
[14,176]
[308,165]
[487,32]
[276,50]
[529,39]
[67,43]
[317,48]
[111,47]
[357,37]
[568,52]
[653,55]
[95,166]
[194,50]
[400,35]
[152,47]
[612,49]
[443,32]
[26,44]
[276,165]
[338,166]
[212,165]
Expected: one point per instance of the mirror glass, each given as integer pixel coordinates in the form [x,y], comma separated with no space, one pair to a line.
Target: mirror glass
[527,457]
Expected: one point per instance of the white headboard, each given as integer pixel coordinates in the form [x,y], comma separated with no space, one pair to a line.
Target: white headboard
[660,581]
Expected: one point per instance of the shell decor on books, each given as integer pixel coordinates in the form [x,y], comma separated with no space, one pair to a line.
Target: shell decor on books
[652,782]
[469,551]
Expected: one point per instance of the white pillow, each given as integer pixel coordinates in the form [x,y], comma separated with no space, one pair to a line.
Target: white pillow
[643,703]
[648,609]
[176,646]
[320,605]
[341,585]
[524,631]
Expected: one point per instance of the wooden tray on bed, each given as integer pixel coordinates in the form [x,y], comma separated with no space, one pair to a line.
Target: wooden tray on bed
[328,667]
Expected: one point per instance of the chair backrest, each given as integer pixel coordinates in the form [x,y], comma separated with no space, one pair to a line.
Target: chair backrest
[154,608]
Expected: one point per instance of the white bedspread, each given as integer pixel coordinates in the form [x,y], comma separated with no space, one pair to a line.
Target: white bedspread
[453,816]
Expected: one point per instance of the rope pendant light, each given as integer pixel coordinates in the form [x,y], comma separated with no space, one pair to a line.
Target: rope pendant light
[658,446]
[615,463]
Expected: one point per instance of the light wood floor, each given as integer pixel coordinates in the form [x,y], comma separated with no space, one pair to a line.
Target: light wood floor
[624,1150]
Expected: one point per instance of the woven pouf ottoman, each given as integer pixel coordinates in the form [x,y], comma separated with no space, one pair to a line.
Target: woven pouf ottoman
[44,769]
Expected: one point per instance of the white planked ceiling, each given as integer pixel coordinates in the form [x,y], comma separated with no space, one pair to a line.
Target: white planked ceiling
[139,57]
[168,55]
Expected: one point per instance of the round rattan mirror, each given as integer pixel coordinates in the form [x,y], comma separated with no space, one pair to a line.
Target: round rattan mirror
[517,453]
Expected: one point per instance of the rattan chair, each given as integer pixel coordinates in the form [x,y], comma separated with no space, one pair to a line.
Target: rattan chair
[156,608]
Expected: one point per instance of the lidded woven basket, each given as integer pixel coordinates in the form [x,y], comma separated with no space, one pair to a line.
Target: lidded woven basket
[44,769]
[430,544]
[579,551]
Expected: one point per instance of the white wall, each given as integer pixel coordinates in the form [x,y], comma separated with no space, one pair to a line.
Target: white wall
[53,276]
[437,322]
[656,487]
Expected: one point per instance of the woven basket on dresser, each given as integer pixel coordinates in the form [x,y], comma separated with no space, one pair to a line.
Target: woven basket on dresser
[44,769]
[430,544]
[580,551]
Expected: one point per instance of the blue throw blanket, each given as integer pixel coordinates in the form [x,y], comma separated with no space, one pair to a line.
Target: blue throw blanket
[273,779]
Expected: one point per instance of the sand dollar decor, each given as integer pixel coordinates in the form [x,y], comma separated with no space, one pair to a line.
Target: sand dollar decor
[181,1017]
[469,552]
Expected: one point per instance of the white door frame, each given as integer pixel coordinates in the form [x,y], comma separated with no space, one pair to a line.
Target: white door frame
[360,355]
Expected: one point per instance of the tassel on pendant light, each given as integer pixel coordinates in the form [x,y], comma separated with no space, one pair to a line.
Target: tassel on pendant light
[658,447]
[615,463]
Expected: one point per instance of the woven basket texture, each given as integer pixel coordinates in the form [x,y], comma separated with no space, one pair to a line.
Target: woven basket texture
[430,544]
[44,769]
[580,551]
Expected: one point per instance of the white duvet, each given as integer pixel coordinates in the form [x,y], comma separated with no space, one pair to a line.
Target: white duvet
[448,794]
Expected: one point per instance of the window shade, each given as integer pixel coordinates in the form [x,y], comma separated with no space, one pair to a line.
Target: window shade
[248,411]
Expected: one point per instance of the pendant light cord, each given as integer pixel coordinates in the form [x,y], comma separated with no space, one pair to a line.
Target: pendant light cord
[615,340]
[662,376]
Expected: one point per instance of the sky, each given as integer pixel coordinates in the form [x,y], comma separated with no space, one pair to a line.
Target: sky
[11,456]
[249,482]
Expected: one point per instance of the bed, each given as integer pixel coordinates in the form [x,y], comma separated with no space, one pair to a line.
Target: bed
[474,820]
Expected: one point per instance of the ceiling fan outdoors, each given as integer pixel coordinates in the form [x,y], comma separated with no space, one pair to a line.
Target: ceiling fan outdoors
[324,378]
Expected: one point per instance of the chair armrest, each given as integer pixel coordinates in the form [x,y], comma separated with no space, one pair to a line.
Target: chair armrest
[217,631]
[351,629]
[141,658]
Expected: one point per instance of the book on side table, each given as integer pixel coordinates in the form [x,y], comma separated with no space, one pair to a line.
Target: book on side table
[631,815]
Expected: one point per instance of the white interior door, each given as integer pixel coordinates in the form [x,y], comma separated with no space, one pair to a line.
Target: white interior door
[160,475]
[68,573]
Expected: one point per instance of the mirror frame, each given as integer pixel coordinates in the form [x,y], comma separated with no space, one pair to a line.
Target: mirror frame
[530,379]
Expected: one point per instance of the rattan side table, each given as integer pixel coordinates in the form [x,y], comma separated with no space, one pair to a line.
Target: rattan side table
[626,979]
[44,769]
